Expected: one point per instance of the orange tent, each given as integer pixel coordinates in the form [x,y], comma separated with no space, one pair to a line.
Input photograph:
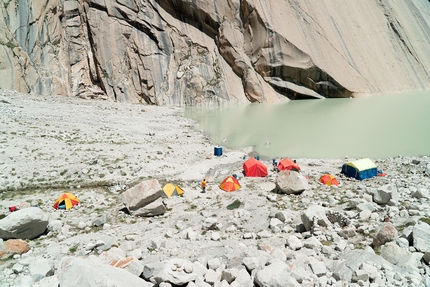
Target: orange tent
[229,184]
[287,163]
[66,199]
[255,168]
[329,180]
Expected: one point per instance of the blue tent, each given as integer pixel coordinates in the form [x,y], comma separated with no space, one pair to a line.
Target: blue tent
[360,169]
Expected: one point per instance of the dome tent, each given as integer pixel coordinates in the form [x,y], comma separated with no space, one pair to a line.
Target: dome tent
[360,169]
[254,168]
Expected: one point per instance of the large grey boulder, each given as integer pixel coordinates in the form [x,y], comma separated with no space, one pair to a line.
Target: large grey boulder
[315,214]
[175,271]
[92,272]
[144,199]
[421,236]
[291,182]
[342,271]
[26,223]
[386,194]
[276,274]
[154,208]
[395,254]
[40,268]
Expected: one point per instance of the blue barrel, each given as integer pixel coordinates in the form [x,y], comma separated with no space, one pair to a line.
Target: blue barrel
[218,151]
[257,157]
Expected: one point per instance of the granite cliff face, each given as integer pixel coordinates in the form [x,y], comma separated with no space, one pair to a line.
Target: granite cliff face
[200,52]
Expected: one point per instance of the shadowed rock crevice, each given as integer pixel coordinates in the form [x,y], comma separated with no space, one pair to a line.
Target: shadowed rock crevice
[191,13]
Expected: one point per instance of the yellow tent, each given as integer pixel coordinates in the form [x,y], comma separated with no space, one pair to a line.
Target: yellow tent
[66,200]
[170,189]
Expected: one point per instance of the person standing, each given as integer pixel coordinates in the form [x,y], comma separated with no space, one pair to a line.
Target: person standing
[204,185]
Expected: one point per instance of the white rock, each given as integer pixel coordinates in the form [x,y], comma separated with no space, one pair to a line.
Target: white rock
[212,276]
[318,268]
[294,243]
[276,274]
[250,263]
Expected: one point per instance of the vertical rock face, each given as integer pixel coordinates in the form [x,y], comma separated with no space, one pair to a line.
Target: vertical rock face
[183,52]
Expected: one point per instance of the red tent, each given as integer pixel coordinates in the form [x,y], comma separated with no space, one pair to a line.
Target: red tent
[287,163]
[329,179]
[255,168]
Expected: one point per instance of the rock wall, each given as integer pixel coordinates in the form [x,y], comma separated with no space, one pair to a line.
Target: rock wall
[200,52]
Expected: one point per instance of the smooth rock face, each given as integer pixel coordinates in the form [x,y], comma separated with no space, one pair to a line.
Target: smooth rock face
[92,272]
[26,223]
[231,52]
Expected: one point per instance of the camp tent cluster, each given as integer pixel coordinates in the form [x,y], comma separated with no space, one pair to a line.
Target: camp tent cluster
[359,169]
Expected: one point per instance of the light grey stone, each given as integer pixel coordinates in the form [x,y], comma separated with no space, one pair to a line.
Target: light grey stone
[318,268]
[360,275]
[174,272]
[421,236]
[83,271]
[251,263]
[395,254]
[342,272]
[312,243]
[214,263]
[385,193]
[366,206]
[274,275]
[26,223]
[51,281]
[212,276]
[294,243]
[40,268]
[229,275]
[279,254]
[153,208]
[365,214]
[315,213]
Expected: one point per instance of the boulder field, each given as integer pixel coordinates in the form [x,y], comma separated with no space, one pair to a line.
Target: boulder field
[115,158]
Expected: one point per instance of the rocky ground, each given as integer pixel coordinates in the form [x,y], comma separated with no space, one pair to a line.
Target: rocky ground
[363,233]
